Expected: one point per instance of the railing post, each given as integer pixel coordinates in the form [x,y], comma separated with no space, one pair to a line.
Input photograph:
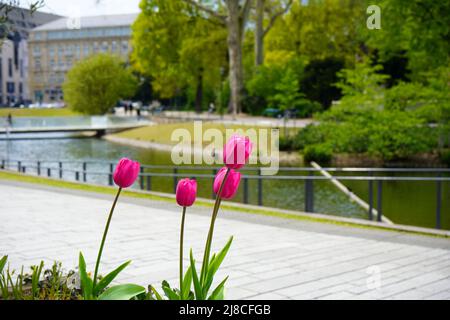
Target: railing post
[175,180]
[213,194]
[19,166]
[3,164]
[84,172]
[77,175]
[380,201]
[141,178]
[60,170]
[149,182]
[260,189]
[110,176]
[309,194]
[245,190]
[371,199]
[38,168]
[438,203]
[24,169]
[49,172]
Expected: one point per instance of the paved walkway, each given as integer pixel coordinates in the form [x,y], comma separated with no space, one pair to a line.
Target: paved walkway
[271,258]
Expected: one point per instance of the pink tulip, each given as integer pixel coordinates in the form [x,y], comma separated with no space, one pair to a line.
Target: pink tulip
[237,151]
[126,173]
[231,184]
[186,192]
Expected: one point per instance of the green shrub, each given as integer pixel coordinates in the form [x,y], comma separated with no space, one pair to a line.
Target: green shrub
[320,153]
[286,143]
[445,157]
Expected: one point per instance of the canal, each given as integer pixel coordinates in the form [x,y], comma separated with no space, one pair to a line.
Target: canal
[404,202]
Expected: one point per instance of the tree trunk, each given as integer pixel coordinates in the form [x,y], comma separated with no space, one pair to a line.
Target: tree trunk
[235,53]
[259,33]
[199,95]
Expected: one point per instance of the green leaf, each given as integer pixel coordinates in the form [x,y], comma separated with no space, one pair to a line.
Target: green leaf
[215,265]
[109,278]
[122,292]
[218,293]
[156,293]
[170,293]
[218,259]
[86,281]
[187,282]
[197,287]
[3,263]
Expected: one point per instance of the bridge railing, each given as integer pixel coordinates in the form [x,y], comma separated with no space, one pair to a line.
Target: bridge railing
[81,171]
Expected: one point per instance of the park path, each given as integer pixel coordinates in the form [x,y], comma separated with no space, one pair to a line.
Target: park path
[271,258]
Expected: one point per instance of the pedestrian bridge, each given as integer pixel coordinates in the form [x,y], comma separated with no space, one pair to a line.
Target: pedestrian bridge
[99,124]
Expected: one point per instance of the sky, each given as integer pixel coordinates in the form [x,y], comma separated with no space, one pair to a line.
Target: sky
[80,8]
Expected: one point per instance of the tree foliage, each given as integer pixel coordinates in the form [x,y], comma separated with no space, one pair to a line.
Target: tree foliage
[95,85]
[178,48]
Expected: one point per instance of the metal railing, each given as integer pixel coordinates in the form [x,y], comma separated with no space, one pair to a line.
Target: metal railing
[79,171]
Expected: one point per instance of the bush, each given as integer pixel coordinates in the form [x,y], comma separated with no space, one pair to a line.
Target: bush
[287,143]
[445,157]
[320,153]
[306,108]
[93,86]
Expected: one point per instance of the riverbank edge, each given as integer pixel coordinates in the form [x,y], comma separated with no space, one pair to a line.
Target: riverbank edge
[248,209]
[285,157]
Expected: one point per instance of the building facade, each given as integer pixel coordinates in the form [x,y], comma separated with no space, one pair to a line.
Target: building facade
[14,53]
[55,47]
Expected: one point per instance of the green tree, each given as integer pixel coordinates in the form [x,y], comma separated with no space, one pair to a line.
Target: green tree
[319,29]
[93,86]
[179,49]
[416,29]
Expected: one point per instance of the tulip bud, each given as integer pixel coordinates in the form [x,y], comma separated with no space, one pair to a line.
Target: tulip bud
[237,151]
[186,192]
[126,173]
[231,185]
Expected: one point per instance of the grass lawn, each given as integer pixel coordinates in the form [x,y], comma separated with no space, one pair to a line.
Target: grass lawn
[15,112]
[5,175]
[162,133]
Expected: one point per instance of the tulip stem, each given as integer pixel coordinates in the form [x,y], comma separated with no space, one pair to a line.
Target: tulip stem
[211,228]
[100,251]
[181,251]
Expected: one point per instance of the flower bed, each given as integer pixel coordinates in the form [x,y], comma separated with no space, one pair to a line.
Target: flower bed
[195,283]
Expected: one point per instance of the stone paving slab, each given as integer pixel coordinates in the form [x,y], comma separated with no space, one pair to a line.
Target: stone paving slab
[271,258]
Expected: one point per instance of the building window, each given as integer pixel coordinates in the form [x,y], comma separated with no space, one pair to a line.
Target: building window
[10,87]
[51,51]
[37,63]
[20,88]
[86,50]
[52,63]
[77,50]
[10,67]
[124,46]
[105,46]
[21,68]
[60,51]
[114,46]
[36,50]
[95,47]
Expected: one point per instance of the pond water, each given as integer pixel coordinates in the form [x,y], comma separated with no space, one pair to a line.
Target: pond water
[411,203]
